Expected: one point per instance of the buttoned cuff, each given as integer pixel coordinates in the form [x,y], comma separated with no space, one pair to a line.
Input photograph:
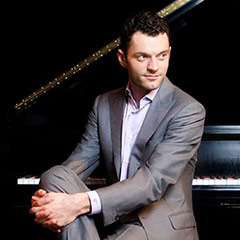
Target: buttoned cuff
[96,206]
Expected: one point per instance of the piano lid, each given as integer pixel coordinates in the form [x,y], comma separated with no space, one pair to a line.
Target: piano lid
[170,12]
[36,56]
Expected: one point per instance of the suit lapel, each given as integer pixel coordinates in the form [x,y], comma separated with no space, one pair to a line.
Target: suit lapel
[117,104]
[156,113]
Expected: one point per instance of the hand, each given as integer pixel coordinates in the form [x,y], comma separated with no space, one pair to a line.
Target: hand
[55,210]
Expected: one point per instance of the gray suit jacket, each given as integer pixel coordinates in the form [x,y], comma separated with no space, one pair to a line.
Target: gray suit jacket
[162,163]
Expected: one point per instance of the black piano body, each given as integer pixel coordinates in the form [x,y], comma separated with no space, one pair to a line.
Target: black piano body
[216,188]
[216,184]
[217,175]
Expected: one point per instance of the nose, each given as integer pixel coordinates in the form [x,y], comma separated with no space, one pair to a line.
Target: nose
[152,65]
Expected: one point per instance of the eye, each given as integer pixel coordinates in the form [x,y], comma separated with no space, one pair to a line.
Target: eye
[141,58]
[162,56]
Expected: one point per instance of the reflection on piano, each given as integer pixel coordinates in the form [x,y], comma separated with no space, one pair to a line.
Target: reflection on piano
[28,180]
[216,183]
[201,183]
[34,180]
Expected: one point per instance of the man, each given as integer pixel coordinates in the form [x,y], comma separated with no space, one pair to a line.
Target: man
[147,135]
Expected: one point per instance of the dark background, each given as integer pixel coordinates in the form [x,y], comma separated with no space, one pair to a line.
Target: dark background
[41,40]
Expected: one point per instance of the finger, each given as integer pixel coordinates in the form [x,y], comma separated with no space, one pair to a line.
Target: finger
[49,223]
[34,210]
[56,230]
[40,193]
[37,195]
[37,202]
[42,219]
[34,201]
[52,225]
[44,214]
[41,201]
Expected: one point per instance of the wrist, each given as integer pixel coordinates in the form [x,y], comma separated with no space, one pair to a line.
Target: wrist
[82,202]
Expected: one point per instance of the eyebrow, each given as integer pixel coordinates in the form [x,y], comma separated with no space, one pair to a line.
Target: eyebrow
[146,54]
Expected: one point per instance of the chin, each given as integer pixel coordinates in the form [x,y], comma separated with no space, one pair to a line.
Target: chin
[152,86]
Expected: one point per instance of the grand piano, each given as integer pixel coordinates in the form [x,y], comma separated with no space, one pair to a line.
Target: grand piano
[44,131]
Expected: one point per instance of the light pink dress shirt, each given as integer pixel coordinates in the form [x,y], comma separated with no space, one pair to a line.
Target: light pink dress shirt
[133,118]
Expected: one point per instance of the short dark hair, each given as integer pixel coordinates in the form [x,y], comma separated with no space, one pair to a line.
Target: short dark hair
[146,22]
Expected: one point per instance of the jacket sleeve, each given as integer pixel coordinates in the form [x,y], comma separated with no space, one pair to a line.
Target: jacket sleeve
[163,168]
[85,158]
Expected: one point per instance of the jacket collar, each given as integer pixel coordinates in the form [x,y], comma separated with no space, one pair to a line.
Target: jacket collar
[156,113]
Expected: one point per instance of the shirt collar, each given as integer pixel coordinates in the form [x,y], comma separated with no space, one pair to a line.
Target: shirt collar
[150,96]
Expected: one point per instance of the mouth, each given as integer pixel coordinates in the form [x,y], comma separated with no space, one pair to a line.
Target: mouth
[152,76]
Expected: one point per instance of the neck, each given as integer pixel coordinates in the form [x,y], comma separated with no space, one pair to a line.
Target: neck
[138,93]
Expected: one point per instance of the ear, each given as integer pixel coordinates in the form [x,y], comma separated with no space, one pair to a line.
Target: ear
[121,58]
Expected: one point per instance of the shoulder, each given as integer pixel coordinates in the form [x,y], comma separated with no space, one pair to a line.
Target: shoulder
[113,94]
[102,102]
[180,99]
[183,98]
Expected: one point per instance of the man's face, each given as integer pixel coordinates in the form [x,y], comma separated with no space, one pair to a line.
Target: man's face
[147,60]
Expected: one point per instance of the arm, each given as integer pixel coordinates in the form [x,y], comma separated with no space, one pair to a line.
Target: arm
[55,210]
[165,166]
